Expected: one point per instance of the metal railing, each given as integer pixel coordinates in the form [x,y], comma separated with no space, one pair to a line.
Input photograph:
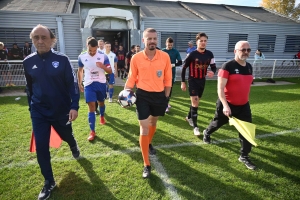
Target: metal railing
[12,72]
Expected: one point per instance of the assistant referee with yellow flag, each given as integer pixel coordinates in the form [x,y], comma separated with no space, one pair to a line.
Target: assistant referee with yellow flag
[234,82]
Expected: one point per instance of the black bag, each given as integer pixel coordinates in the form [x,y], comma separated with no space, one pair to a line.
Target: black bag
[270,80]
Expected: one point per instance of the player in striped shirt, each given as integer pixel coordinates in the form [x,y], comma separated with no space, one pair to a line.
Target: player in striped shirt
[198,62]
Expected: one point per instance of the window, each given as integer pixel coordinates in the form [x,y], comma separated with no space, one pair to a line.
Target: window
[234,38]
[180,39]
[292,43]
[266,43]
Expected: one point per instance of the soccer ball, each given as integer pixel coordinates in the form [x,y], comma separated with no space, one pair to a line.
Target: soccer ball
[126,98]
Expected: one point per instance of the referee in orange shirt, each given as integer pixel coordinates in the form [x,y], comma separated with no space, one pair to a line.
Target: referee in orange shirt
[150,70]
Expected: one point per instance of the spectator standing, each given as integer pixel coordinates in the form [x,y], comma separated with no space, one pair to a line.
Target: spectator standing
[191,47]
[26,50]
[258,58]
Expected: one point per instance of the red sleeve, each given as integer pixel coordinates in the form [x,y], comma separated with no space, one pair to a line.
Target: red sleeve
[223,73]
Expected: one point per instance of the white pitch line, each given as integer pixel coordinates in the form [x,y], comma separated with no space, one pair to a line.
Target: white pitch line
[137,149]
[165,178]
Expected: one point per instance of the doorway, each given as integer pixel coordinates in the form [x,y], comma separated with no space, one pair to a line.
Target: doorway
[122,36]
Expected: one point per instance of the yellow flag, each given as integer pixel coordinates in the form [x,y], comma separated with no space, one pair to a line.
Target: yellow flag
[245,128]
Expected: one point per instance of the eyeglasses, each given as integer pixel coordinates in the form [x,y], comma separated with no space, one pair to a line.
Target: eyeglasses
[244,50]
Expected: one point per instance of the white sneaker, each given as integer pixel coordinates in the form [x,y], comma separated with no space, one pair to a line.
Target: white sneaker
[196,131]
[110,100]
[107,95]
[190,121]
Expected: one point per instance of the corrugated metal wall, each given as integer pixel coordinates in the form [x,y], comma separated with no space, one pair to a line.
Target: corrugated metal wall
[71,25]
[72,35]
[218,34]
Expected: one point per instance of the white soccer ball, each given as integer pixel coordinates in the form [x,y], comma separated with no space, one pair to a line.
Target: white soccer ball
[126,98]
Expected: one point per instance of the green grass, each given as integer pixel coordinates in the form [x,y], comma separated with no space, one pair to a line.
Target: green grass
[113,164]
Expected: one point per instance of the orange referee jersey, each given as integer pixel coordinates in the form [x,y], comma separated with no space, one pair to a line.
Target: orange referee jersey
[150,75]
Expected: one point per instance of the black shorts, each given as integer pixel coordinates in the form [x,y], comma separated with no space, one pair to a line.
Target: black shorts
[150,103]
[196,87]
[121,66]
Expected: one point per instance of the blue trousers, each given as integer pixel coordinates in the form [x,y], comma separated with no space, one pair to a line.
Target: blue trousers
[41,128]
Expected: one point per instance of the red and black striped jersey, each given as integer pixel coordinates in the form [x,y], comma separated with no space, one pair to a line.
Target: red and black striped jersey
[198,63]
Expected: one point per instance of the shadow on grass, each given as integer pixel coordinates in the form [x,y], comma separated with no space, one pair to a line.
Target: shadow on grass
[73,187]
[196,183]
[123,128]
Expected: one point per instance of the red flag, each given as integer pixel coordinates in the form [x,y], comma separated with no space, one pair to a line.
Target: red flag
[55,140]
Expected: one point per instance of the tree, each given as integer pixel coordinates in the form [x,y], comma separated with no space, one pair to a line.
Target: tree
[285,7]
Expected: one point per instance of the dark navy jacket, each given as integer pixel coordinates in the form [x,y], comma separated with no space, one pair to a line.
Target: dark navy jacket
[52,85]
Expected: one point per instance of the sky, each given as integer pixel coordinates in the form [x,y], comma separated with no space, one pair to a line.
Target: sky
[231,2]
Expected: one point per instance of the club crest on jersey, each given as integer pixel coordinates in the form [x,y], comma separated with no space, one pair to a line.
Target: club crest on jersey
[98,58]
[237,71]
[55,64]
[159,73]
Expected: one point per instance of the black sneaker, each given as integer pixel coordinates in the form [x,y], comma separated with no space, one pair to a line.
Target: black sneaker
[75,152]
[147,172]
[46,190]
[247,162]
[152,151]
[206,137]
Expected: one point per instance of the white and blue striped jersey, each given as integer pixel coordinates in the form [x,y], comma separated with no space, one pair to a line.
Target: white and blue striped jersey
[92,73]
[112,60]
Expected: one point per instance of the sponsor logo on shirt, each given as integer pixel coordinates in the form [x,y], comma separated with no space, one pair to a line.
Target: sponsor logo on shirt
[34,67]
[55,64]
[237,71]
[86,60]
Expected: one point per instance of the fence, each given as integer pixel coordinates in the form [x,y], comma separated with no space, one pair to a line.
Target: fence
[12,72]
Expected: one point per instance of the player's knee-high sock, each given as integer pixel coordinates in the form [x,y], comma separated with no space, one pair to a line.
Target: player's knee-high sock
[111,92]
[118,73]
[152,130]
[189,114]
[144,145]
[194,114]
[102,110]
[92,120]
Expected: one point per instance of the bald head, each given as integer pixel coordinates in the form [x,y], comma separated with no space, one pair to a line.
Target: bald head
[242,51]
[42,38]
[241,43]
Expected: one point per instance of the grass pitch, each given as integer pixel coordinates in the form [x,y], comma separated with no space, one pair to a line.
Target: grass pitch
[184,167]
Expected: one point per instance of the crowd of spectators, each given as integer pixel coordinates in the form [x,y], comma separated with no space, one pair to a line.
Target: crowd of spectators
[17,52]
